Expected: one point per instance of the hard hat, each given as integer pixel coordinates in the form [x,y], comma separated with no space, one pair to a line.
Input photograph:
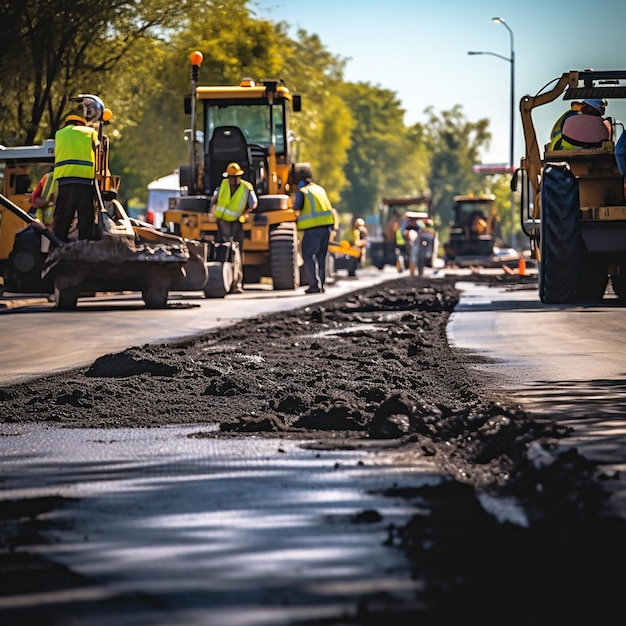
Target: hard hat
[599,104]
[75,118]
[93,107]
[360,222]
[233,169]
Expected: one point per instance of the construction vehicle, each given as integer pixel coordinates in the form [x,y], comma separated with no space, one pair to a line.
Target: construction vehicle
[475,239]
[573,207]
[384,248]
[247,124]
[124,256]
[342,255]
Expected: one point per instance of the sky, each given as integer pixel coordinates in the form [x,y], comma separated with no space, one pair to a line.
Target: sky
[418,50]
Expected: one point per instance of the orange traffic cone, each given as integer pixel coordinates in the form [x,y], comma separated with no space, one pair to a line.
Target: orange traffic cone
[521,268]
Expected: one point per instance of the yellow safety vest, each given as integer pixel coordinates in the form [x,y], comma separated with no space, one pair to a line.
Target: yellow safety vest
[74,152]
[316,209]
[230,208]
[399,237]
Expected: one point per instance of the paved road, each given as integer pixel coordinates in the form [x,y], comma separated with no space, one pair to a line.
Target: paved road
[37,338]
[565,362]
[262,532]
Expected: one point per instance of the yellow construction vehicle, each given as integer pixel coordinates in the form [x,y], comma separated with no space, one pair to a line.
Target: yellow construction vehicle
[247,124]
[475,238]
[124,256]
[572,200]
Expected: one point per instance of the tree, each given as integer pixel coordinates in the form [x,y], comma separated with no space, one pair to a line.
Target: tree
[385,157]
[454,144]
[55,50]
[323,129]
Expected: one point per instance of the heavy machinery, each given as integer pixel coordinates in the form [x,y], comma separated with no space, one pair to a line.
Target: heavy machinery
[475,234]
[383,247]
[247,124]
[572,201]
[124,256]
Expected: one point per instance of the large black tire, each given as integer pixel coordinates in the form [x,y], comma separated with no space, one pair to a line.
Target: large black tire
[66,298]
[561,242]
[618,281]
[330,269]
[273,202]
[155,297]
[593,277]
[220,279]
[284,256]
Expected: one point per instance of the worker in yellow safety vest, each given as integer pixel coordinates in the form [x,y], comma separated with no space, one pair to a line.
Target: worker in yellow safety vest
[74,177]
[232,200]
[316,219]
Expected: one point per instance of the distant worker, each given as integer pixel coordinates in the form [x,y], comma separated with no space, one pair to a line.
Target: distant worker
[400,244]
[231,203]
[316,220]
[411,230]
[74,173]
[478,224]
[586,129]
[41,200]
[359,236]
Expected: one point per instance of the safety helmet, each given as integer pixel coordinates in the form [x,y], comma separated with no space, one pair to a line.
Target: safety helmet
[233,169]
[599,104]
[360,221]
[93,107]
[76,119]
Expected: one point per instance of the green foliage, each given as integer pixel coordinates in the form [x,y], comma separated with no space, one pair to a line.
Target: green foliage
[386,158]
[454,144]
[55,50]
[135,55]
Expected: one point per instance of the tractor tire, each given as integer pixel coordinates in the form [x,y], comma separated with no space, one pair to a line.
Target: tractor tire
[593,277]
[220,279]
[155,297]
[561,241]
[66,298]
[618,282]
[284,256]
[272,202]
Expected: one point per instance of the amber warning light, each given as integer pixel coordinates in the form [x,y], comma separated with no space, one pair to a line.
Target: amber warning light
[196,58]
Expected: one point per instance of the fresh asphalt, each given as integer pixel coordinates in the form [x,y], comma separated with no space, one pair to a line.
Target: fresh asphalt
[263,531]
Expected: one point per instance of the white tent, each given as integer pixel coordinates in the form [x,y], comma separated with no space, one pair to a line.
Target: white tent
[159,193]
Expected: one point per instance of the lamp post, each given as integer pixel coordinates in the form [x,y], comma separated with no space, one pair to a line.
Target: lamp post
[511,60]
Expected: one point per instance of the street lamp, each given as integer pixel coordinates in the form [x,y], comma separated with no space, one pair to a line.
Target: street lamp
[511,60]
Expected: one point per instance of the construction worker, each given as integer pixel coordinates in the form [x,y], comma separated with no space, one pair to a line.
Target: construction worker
[586,129]
[41,200]
[556,134]
[411,230]
[400,243]
[359,237]
[231,203]
[316,220]
[74,173]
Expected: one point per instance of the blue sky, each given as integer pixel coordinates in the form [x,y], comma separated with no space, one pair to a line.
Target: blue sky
[418,49]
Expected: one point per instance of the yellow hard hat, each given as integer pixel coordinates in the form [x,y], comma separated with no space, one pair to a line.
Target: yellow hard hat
[233,169]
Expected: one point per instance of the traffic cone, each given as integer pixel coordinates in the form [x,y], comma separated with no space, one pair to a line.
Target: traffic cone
[521,268]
